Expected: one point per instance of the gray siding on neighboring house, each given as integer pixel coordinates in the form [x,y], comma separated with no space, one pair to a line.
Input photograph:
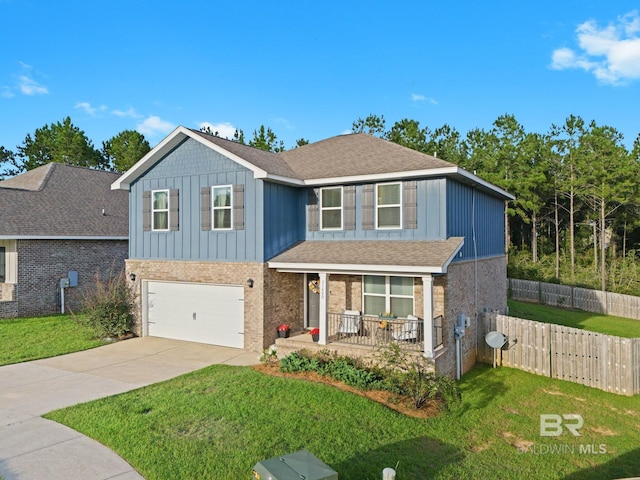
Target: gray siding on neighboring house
[488,218]
[431,218]
[188,168]
[284,208]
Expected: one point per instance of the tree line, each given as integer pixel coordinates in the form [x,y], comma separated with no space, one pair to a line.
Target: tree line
[576,213]
[575,218]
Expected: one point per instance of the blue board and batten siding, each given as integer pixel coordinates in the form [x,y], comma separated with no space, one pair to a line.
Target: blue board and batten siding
[466,206]
[188,168]
[284,208]
[276,215]
[431,218]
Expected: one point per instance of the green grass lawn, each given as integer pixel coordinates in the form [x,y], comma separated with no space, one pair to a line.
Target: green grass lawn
[220,421]
[25,339]
[610,325]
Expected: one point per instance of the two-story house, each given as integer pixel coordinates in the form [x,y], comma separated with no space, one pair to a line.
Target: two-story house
[227,241]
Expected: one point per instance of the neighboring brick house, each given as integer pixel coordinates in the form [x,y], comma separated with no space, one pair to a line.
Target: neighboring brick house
[228,241]
[54,220]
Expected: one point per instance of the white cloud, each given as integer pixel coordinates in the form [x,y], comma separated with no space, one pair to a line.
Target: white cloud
[611,53]
[86,106]
[417,97]
[29,86]
[126,113]
[153,125]
[224,129]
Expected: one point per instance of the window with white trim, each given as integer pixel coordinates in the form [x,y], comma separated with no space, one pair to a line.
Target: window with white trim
[389,205]
[222,207]
[331,208]
[387,294]
[160,210]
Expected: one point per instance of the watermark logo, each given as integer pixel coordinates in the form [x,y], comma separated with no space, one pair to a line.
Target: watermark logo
[552,424]
[555,425]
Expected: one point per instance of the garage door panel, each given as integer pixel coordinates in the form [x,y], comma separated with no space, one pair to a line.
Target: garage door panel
[196,312]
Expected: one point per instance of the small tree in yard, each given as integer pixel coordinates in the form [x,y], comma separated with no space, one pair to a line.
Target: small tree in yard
[107,306]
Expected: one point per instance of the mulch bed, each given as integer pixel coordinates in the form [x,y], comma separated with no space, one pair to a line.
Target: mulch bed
[400,403]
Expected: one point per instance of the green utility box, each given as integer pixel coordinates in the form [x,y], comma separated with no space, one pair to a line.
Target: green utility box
[300,465]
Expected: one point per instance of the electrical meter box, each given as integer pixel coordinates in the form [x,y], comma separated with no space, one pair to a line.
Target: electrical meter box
[294,466]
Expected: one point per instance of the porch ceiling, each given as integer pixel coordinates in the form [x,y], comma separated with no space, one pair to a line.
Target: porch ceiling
[369,256]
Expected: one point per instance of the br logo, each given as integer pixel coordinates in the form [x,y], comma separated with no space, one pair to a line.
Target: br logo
[552,425]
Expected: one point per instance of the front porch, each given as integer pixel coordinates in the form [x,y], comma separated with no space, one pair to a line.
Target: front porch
[363,335]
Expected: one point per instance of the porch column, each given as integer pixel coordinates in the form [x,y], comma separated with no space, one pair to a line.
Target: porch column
[427,293]
[324,298]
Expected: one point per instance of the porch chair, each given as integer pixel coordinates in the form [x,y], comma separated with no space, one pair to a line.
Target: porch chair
[349,323]
[410,330]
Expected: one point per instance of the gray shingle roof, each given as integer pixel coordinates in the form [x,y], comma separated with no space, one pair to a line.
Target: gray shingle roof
[58,200]
[409,255]
[346,158]
[356,154]
[267,161]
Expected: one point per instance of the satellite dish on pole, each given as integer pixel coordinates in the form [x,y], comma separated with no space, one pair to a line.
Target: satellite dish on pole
[496,339]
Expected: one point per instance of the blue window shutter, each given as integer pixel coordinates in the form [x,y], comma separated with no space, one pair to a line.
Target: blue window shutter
[146,211]
[238,207]
[174,210]
[205,208]
[312,209]
[368,207]
[410,204]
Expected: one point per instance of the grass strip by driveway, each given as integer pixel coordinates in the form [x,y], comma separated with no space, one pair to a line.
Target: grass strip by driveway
[607,324]
[25,339]
[218,422]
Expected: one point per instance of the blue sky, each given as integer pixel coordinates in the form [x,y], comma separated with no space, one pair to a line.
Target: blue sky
[309,68]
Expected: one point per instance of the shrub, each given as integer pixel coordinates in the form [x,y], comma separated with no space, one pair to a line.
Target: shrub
[297,362]
[107,306]
[269,356]
[410,374]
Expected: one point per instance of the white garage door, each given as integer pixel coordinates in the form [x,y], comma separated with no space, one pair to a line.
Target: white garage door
[196,312]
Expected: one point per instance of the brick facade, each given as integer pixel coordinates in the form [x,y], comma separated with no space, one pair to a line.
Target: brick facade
[459,289]
[278,297]
[275,297]
[41,265]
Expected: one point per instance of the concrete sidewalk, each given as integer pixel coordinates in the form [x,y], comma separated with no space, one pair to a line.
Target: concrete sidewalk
[34,448]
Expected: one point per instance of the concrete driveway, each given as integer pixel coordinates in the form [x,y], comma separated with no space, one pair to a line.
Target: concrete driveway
[34,448]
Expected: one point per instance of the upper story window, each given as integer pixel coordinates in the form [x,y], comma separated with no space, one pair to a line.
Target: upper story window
[389,205]
[160,210]
[331,208]
[222,207]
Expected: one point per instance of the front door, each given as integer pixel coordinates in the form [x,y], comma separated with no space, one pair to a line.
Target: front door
[313,300]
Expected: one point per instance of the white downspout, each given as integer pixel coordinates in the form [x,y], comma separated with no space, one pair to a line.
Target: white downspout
[324,300]
[427,294]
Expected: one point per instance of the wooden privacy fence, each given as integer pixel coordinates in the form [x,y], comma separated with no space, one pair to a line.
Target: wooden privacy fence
[601,361]
[595,301]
